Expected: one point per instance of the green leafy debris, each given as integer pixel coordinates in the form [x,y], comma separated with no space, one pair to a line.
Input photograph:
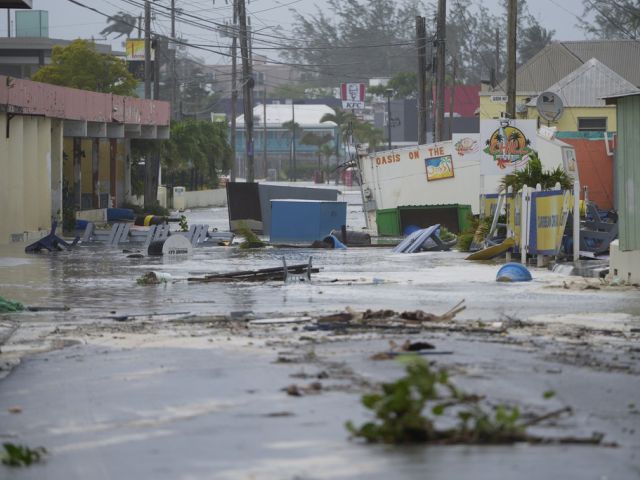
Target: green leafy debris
[8,306]
[21,455]
[406,410]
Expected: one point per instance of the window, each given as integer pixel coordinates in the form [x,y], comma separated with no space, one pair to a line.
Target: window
[592,124]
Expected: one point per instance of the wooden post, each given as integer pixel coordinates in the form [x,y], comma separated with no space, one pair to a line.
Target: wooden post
[512,23]
[421,43]
[440,54]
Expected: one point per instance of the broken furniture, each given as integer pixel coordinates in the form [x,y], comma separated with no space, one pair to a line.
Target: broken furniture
[50,242]
[261,275]
[122,233]
[426,239]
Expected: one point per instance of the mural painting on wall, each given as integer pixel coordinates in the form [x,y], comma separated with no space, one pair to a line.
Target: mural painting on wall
[439,168]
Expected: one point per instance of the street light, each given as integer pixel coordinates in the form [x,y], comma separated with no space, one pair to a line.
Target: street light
[389,92]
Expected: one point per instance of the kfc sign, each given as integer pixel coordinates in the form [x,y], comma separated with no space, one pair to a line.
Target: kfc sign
[352,95]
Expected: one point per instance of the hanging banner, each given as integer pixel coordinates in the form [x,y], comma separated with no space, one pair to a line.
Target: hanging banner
[506,146]
[549,212]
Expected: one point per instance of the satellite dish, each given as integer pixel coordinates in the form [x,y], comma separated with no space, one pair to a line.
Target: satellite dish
[549,106]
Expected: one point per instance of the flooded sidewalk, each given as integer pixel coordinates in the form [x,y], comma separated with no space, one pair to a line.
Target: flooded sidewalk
[194,380]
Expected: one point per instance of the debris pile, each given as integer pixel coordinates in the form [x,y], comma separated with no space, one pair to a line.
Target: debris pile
[384,319]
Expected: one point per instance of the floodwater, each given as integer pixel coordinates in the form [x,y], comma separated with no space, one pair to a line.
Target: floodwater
[94,280]
[161,400]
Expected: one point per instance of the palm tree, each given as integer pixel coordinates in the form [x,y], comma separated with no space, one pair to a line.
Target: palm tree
[295,130]
[342,119]
[533,39]
[318,141]
[365,132]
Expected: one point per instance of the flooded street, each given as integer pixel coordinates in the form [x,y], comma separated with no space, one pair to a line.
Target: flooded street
[182,380]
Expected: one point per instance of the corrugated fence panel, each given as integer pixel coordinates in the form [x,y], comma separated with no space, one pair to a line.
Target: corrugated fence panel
[628,170]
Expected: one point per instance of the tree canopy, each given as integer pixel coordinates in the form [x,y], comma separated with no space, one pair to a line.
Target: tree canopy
[80,65]
[616,19]
[361,39]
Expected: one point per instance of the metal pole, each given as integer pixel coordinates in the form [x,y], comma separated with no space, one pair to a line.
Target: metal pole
[576,219]
[440,54]
[512,22]
[264,132]
[293,138]
[497,59]
[452,94]
[156,69]
[174,95]
[8,23]
[147,49]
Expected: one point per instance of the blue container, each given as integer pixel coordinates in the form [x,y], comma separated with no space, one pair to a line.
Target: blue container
[304,221]
[513,272]
[115,214]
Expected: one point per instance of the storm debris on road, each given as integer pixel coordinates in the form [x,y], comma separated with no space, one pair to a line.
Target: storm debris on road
[259,275]
[384,319]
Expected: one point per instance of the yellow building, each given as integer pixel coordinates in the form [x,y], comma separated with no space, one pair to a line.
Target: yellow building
[66,148]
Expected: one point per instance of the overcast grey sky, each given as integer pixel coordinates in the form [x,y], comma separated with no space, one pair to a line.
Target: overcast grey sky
[69,21]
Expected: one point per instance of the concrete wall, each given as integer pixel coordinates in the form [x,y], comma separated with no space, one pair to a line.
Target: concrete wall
[624,265]
[196,199]
[206,198]
[27,177]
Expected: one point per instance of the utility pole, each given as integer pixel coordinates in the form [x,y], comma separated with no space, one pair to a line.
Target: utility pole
[156,69]
[8,23]
[512,22]
[247,90]
[432,103]
[497,59]
[389,93]
[452,93]
[440,53]
[234,89]
[174,93]
[139,27]
[147,49]
[421,44]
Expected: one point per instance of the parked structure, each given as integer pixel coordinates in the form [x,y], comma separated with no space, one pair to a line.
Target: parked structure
[61,140]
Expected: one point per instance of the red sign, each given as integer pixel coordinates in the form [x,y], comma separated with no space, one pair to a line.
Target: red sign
[352,95]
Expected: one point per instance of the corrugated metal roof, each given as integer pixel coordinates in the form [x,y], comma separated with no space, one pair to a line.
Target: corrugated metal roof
[559,59]
[306,115]
[585,86]
[621,56]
